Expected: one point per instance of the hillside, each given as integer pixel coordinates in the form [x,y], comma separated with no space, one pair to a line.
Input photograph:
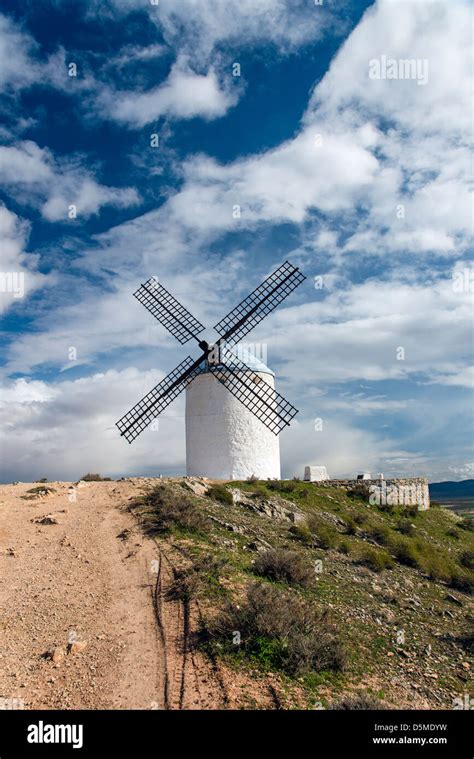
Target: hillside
[181,593]
[463,489]
[316,596]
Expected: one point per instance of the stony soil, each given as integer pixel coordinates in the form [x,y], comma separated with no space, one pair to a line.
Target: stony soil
[83,619]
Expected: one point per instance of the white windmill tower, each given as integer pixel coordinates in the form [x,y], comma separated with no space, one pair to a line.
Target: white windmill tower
[224,439]
[232,425]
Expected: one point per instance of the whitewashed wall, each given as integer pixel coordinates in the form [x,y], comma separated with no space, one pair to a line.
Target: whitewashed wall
[224,440]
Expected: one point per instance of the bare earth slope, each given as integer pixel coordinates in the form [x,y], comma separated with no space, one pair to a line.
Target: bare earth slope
[93,579]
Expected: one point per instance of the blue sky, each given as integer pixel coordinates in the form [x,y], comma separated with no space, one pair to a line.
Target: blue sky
[359,180]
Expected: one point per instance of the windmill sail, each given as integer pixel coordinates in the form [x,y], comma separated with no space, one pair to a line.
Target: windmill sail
[152,404]
[250,389]
[168,311]
[262,301]
[243,382]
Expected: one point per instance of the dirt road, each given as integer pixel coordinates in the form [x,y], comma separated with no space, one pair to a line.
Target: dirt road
[90,589]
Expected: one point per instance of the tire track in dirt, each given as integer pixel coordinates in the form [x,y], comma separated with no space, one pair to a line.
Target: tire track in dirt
[191,682]
[157,599]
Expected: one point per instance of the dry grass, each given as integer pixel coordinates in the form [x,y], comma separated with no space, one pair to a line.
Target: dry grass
[279,630]
[165,510]
[190,583]
[376,559]
[284,566]
[359,701]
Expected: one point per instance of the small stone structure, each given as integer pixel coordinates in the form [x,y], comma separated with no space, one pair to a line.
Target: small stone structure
[411,491]
[315,473]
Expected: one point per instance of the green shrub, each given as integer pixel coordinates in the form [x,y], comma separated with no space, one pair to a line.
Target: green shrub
[434,562]
[422,555]
[382,535]
[302,533]
[282,486]
[376,559]
[164,510]
[406,527]
[437,567]
[280,631]
[220,494]
[411,511]
[462,580]
[284,566]
[358,701]
[466,640]
[351,526]
[41,490]
[406,552]
[90,477]
[191,582]
[359,491]
[452,533]
[344,547]
[466,559]
[325,535]
[387,508]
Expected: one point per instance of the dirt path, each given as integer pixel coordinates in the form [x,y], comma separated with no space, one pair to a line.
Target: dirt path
[92,579]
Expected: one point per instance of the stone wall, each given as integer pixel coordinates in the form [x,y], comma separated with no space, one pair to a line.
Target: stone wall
[411,491]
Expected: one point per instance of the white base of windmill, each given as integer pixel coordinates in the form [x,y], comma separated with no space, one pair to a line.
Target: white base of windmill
[224,440]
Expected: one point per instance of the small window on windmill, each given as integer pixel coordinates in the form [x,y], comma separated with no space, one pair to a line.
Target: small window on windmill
[257,379]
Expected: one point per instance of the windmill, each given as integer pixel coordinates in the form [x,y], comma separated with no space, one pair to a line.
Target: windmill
[232,426]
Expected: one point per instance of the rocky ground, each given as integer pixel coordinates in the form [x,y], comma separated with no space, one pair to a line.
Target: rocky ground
[87,619]
[78,606]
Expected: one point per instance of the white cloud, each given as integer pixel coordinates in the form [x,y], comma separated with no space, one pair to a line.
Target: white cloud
[460,375]
[26,163]
[97,322]
[28,391]
[197,32]
[18,275]
[356,331]
[363,405]
[390,154]
[342,448]
[132,53]
[67,429]
[35,177]
[88,197]
[184,95]
[199,27]
[281,185]
[466,471]
[421,133]
[21,66]
[438,32]
[17,67]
